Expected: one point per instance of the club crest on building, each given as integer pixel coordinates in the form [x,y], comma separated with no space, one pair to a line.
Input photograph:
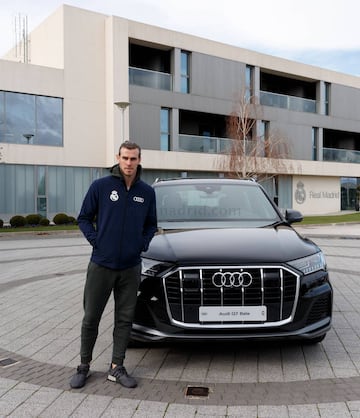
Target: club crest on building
[300,193]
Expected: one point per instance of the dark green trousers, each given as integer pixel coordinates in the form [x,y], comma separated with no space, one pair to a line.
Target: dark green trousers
[100,282]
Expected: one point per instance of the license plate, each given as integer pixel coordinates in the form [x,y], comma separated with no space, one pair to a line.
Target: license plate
[232,313]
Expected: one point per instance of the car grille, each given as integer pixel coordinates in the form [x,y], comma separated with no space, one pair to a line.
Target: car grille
[187,289]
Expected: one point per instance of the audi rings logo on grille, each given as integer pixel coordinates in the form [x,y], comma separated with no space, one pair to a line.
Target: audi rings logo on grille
[232,279]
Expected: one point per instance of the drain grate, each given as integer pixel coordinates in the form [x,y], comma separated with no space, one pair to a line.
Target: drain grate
[197,392]
[7,362]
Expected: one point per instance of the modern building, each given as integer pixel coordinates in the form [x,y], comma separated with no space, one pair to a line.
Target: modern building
[83,82]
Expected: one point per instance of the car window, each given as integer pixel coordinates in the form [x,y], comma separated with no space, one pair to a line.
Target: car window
[214,205]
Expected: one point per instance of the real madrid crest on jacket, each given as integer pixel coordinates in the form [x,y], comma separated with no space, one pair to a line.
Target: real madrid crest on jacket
[120,214]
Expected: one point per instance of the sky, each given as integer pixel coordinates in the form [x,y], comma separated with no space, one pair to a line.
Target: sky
[324,33]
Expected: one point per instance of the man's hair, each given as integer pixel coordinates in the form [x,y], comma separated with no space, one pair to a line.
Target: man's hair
[130,145]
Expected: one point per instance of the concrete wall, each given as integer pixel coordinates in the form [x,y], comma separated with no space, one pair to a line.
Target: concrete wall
[215,77]
[345,104]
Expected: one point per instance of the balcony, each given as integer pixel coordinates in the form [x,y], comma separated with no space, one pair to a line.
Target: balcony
[341,155]
[149,78]
[297,104]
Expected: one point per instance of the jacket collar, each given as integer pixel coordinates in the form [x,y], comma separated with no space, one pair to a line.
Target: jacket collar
[116,172]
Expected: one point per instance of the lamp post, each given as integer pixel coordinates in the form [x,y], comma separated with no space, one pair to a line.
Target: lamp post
[123,106]
[28,137]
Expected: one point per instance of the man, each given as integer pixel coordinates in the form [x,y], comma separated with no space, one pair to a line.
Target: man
[123,209]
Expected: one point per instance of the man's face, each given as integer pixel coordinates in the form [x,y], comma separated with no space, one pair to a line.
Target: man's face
[128,160]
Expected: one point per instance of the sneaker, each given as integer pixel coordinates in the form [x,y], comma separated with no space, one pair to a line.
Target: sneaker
[78,380]
[119,375]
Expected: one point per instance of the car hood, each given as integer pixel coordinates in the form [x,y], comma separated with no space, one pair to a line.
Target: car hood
[230,246]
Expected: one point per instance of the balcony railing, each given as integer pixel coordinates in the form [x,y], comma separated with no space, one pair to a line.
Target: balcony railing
[214,145]
[297,104]
[205,144]
[341,155]
[148,78]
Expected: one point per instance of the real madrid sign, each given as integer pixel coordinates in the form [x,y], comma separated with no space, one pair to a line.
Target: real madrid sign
[312,195]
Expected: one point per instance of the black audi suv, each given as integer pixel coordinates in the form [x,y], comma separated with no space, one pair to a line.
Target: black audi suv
[226,264]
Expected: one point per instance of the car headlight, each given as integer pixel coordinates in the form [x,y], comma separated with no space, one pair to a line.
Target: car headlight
[310,264]
[153,268]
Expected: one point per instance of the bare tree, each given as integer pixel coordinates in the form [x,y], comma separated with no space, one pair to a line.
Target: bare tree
[253,154]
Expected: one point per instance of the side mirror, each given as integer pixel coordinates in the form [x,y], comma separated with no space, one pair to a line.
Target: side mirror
[293,216]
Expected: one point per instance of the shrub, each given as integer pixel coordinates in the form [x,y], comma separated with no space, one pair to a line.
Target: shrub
[72,220]
[44,222]
[33,219]
[61,219]
[1,223]
[17,220]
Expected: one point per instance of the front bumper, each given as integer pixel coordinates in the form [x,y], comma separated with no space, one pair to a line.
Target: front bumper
[145,334]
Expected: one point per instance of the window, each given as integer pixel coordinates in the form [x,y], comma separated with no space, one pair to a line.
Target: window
[46,190]
[249,82]
[350,193]
[185,72]
[17,189]
[327,98]
[2,110]
[41,201]
[263,134]
[48,121]
[314,142]
[165,129]
[19,118]
[30,119]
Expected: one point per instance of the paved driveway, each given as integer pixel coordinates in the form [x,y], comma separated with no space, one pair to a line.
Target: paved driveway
[41,282]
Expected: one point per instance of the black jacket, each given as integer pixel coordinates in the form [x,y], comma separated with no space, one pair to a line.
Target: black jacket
[118,223]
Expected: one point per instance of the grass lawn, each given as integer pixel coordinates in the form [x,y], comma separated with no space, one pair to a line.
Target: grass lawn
[331,219]
[41,228]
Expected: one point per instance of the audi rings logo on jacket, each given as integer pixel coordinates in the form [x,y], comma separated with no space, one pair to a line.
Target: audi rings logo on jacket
[138,199]
[232,279]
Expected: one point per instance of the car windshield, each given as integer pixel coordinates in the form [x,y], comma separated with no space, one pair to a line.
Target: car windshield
[213,205]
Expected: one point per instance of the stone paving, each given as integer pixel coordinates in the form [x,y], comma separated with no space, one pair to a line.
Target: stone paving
[41,283]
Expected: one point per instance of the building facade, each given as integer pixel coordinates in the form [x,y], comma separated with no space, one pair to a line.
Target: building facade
[90,81]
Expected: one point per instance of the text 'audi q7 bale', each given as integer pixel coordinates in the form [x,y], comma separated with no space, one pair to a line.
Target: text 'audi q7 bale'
[227,265]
